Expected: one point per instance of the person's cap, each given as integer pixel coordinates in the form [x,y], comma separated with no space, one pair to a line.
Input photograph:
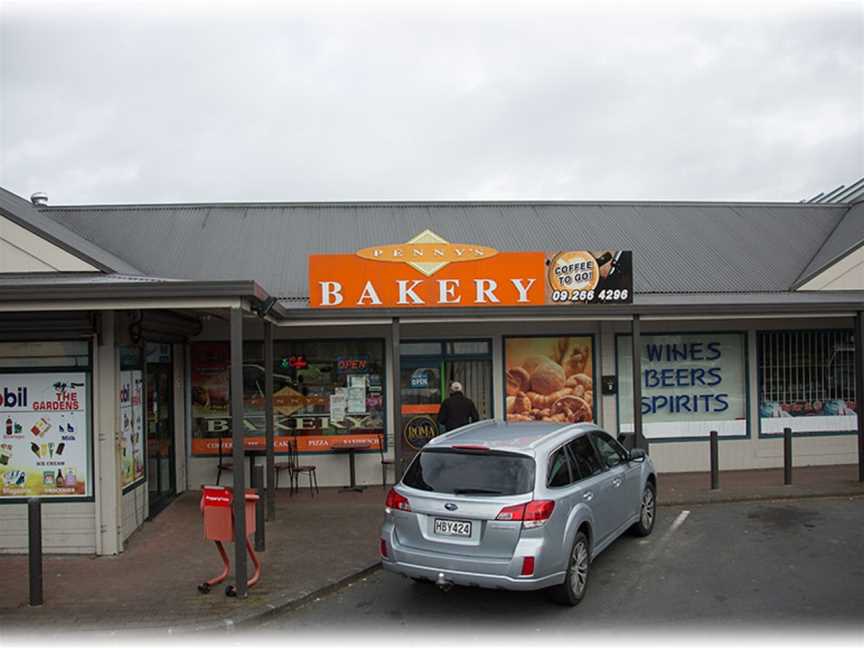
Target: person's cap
[455,387]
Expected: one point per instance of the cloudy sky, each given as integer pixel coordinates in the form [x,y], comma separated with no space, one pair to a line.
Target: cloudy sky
[162,102]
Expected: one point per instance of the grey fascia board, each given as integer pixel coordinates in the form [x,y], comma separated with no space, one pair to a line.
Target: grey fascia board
[436,203]
[178,290]
[627,310]
[41,233]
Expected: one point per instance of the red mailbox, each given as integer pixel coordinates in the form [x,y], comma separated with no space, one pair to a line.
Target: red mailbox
[217,508]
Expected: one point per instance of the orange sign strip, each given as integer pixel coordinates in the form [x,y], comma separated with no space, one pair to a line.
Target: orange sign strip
[348,281]
[310,443]
[421,409]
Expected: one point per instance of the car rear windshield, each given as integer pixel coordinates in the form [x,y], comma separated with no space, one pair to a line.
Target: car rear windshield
[462,472]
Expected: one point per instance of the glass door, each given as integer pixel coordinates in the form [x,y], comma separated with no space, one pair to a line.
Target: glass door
[421,388]
[159,403]
[476,379]
[427,367]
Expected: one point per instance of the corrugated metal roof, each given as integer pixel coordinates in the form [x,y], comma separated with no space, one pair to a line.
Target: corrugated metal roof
[22,213]
[677,247]
[846,237]
[37,279]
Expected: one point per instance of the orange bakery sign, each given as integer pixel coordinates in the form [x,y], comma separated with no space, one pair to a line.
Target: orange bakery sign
[429,271]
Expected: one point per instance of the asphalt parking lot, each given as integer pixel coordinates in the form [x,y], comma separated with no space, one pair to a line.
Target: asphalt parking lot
[773,564]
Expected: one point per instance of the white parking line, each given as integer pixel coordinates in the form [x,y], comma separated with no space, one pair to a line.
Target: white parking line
[661,543]
[678,522]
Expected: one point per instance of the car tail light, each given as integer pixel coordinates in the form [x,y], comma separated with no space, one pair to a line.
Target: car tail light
[533,514]
[397,501]
[527,566]
[383,548]
[537,512]
[512,513]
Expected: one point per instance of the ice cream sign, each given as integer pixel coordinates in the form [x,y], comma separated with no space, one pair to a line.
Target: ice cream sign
[429,271]
[44,445]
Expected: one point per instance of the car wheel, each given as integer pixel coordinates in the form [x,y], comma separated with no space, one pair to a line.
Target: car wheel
[572,590]
[647,512]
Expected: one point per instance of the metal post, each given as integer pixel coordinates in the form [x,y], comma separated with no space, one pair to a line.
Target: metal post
[638,438]
[268,414]
[397,399]
[237,438]
[260,541]
[787,456]
[859,389]
[715,463]
[34,529]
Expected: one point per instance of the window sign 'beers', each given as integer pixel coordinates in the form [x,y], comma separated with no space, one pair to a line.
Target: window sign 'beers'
[429,271]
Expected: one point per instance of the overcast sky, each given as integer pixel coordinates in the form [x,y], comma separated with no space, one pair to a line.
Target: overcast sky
[180,102]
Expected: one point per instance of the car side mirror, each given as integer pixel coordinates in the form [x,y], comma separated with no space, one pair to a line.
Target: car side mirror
[637,454]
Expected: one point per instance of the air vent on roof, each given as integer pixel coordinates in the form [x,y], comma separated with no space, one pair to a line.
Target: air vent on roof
[39,199]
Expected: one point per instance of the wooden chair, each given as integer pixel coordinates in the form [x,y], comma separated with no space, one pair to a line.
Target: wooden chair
[385,461]
[298,469]
[227,466]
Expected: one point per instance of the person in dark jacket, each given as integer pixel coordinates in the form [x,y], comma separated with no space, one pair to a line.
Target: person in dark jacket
[457,409]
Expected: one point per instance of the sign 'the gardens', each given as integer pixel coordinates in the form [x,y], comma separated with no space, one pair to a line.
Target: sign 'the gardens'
[429,271]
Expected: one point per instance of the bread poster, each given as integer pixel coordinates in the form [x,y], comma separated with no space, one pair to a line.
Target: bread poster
[549,379]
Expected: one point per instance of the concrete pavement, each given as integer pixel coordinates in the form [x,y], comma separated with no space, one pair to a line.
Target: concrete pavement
[314,546]
[734,566]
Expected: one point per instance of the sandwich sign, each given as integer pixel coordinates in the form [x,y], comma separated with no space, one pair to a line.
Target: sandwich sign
[429,271]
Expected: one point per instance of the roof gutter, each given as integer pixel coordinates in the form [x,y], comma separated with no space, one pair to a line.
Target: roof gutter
[595,312]
[195,292]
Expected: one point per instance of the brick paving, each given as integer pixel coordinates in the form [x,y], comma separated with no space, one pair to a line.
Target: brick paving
[314,544]
[744,485]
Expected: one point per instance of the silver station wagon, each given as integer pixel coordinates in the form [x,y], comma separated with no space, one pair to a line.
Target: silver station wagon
[519,506]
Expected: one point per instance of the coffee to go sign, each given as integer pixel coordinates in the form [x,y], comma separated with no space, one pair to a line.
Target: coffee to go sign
[430,271]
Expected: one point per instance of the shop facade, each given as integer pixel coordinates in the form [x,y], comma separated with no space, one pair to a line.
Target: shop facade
[122,389]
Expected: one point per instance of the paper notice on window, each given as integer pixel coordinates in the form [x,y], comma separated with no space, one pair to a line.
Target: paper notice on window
[338,403]
[357,400]
[357,380]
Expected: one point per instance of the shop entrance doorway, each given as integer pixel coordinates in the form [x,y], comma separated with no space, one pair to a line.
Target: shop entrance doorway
[427,369]
[159,403]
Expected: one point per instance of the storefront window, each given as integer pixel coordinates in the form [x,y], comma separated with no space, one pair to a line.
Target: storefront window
[324,391]
[691,384]
[807,381]
[45,433]
[549,379]
[131,400]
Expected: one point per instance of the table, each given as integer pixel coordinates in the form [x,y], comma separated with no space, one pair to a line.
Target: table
[351,450]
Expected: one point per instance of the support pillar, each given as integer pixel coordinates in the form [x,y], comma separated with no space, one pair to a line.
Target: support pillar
[396,370]
[108,486]
[635,334]
[238,445]
[268,414]
[859,389]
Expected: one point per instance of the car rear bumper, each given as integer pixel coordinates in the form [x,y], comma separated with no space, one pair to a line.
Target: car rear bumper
[492,573]
[471,579]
